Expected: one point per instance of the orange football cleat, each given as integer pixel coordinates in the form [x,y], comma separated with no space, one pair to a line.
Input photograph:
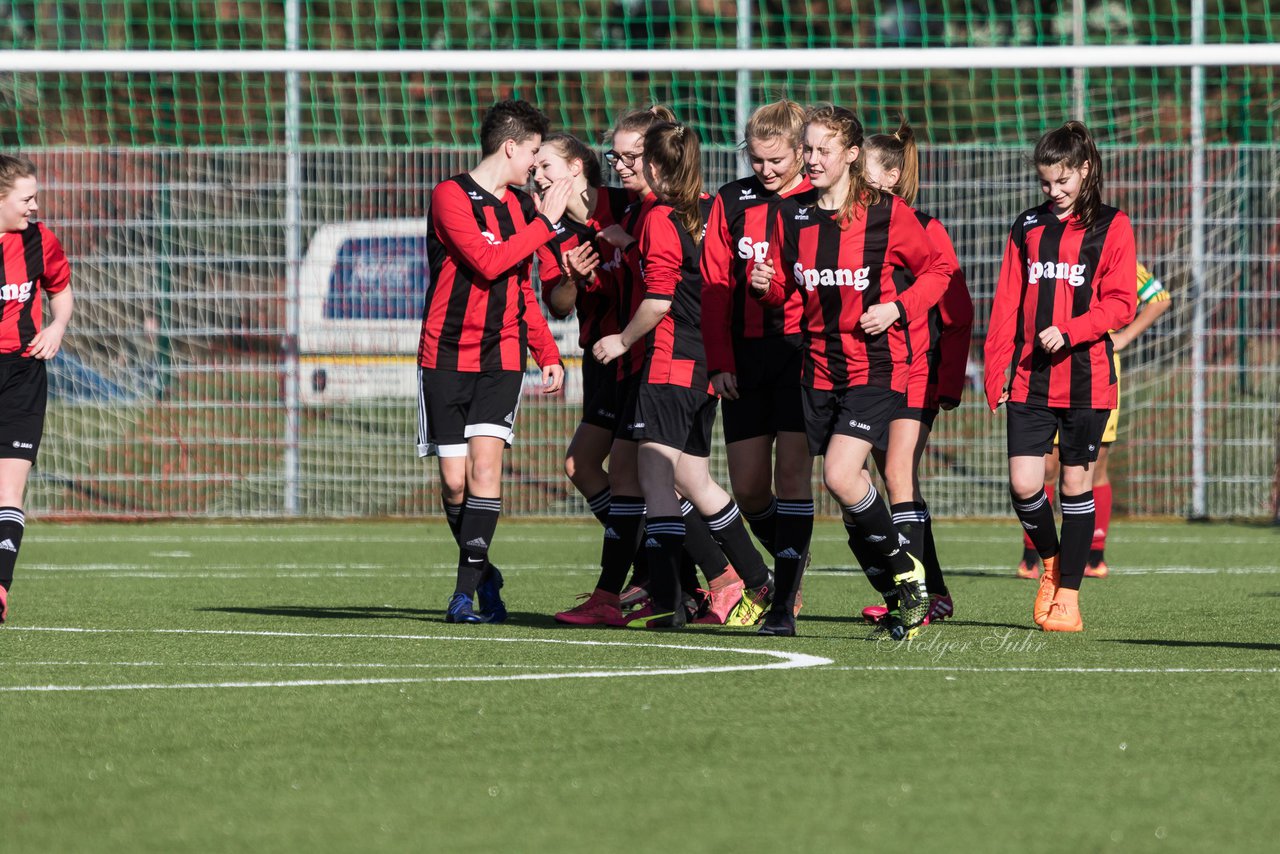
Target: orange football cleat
[1047,589]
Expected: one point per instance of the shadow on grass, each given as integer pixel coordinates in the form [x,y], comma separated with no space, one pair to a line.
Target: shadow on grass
[371,612]
[1269,647]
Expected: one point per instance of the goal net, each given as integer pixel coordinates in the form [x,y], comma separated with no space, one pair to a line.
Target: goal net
[249,276]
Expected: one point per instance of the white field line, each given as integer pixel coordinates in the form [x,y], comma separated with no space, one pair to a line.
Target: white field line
[315,664]
[447,570]
[781,660]
[1161,670]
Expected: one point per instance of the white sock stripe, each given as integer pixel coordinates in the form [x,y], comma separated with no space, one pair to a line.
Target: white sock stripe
[1034,505]
[1078,509]
[491,506]
[910,516]
[721,522]
[686,506]
[619,508]
[601,501]
[13,516]
[865,503]
[669,528]
[795,508]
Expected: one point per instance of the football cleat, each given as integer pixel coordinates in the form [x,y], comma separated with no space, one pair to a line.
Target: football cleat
[717,605]
[913,597]
[633,597]
[751,607]
[1101,570]
[489,602]
[940,608]
[4,604]
[1027,570]
[1063,617]
[1046,591]
[460,611]
[874,613]
[600,608]
[647,617]
[779,624]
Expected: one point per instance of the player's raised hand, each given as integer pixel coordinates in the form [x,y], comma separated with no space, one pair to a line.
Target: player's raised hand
[581,261]
[556,198]
[879,318]
[616,235]
[761,277]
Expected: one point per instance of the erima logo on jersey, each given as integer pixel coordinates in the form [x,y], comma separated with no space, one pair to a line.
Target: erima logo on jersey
[801,213]
[21,291]
[475,196]
[811,279]
[1030,220]
[751,250]
[1072,273]
[488,235]
[747,194]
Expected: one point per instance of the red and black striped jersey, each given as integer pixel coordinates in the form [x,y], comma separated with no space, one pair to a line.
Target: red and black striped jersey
[480,312]
[623,275]
[674,354]
[1056,273]
[33,262]
[737,237]
[940,337]
[841,271]
[597,314]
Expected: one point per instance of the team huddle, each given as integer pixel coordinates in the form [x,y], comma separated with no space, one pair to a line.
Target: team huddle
[815,307]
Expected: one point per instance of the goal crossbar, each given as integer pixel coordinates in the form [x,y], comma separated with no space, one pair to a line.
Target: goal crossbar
[851,59]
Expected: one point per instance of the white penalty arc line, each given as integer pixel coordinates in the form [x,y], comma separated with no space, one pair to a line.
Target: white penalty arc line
[782,661]
[887,668]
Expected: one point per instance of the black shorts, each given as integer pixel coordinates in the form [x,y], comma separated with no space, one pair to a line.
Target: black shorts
[454,406]
[923,414]
[1031,429]
[769,396]
[676,417]
[24,391]
[601,403]
[863,412]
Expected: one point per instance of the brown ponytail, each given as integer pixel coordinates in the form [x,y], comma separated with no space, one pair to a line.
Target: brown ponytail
[898,151]
[1071,146]
[674,150]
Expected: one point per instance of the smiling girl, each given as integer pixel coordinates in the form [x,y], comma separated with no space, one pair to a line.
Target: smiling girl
[1068,276]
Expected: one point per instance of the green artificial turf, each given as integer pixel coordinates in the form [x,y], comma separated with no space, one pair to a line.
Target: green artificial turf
[1154,730]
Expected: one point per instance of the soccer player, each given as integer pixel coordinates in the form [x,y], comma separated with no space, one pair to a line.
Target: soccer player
[754,351]
[940,344]
[845,254]
[572,279]
[1153,301]
[479,317]
[1067,277]
[34,266]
